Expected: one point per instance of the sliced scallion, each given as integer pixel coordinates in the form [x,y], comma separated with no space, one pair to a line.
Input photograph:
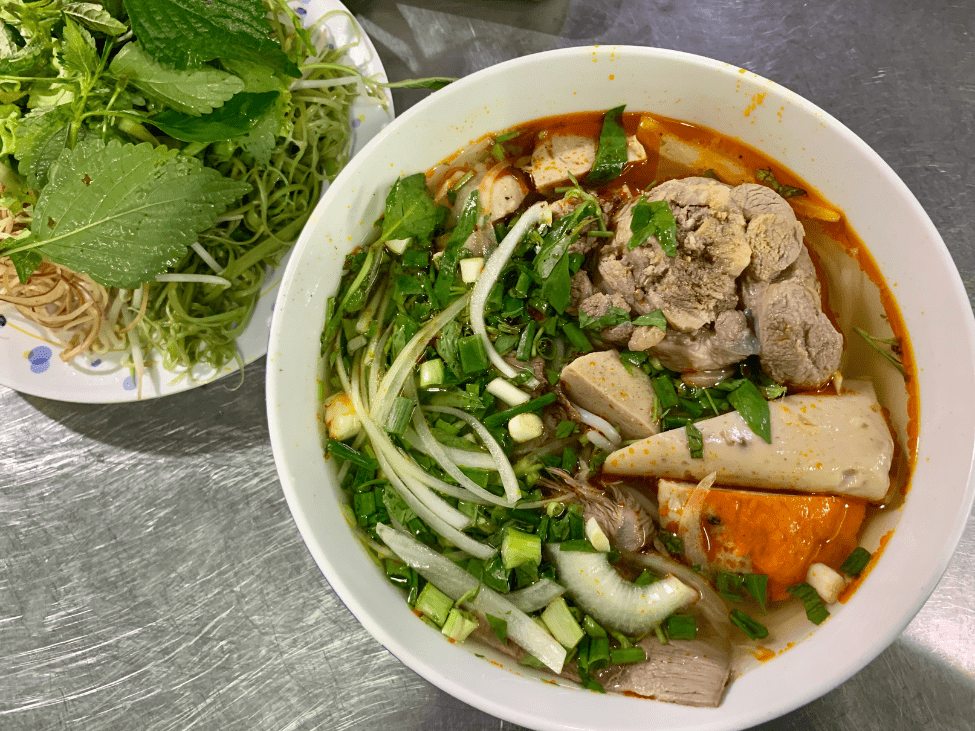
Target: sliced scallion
[856,562]
[400,415]
[560,622]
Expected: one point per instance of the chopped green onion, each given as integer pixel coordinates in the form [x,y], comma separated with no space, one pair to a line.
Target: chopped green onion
[459,624]
[345,452]
[524,351]
[400,415]
[431,373]
[580,545]
[754,630]
[815,609]
[626,655]
[434,603]
[856,562]
[473,355]
[680,627]
[576,337]
[560,622]
[729,585]
[592,627]
[664,387]
[495,420]
[520,290]
[518,548]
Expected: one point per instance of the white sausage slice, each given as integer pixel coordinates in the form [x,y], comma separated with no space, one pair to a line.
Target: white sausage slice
[839,445]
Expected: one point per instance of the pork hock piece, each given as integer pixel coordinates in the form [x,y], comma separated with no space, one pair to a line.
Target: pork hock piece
[833,444]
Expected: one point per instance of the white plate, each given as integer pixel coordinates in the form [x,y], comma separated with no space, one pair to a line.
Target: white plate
[29,359]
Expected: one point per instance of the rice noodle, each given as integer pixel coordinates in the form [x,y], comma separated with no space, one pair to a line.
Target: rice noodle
[598,438]
[67,304]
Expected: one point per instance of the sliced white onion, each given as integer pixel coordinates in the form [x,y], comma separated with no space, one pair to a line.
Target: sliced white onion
[596,437]
[193,278]
[507,392]
[402,368]
[689,527]
[205,255]
[455,583]
[505,470]
[537,596]
[617,604]
[710,605]
[492,270]
[600,424]
[441,457]
[460,457]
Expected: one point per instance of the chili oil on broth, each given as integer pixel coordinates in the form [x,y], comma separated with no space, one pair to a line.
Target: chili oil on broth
[854,292]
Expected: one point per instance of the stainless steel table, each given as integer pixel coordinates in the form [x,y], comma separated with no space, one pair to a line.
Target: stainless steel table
[150,573]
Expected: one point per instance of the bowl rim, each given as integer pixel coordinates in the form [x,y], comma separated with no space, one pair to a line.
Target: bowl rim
[845,667]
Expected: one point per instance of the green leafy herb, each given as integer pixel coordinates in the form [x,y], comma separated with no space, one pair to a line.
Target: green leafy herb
[672,542]
[193,92]
[786,191]
[856,562]
[754,630]
[757,586]
[754,409]
[455,245]
[695,441]
[345,452]
[652,319]
[557,288]
[94,17]
[893,355]
[611,153]
[500,627]
[653,218]
[188,33]
[233,119]
[564,429]
[615,316]
[815,610]
[124,213]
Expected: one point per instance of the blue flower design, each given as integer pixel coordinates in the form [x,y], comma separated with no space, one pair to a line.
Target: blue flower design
[3,320]
[39,359]
[129,383]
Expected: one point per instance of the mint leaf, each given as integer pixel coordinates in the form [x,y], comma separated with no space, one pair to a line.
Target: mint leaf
[256,78]
[234,119]
[653,319]
[611,153]
[124,213]
[94,17]
[25,263]
[615,316]
[653,218]
[410,211]
[78,50]
[188,33]
[259,142]
[193,92]
[40,137]
[22,61]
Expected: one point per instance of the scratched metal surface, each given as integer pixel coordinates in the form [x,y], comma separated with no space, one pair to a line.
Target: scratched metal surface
[150,574]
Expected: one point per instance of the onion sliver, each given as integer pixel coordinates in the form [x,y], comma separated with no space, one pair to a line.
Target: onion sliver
[402,367]
[460,457]
[505,470]
[438,524]
[492,270]
[617,604]
[599,424]
[455,583]
[440,456]
[689,529]
[599,439]
[710,605]
[537,596]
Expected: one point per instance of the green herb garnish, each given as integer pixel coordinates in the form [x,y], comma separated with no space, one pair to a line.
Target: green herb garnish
[786,191]
[611,154]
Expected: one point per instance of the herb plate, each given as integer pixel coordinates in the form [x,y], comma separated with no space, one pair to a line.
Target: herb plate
[29,360]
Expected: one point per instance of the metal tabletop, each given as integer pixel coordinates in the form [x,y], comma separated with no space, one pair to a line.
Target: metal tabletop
[151,576]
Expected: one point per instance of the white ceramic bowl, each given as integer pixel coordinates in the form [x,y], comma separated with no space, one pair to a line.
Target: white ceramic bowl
[908,250]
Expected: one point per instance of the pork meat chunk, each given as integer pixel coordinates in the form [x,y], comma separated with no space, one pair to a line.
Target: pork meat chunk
[774,234]
[694,286]
[729,341]
[799,345]
[598,305]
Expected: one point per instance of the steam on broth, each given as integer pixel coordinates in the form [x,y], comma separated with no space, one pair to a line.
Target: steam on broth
[610,394]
